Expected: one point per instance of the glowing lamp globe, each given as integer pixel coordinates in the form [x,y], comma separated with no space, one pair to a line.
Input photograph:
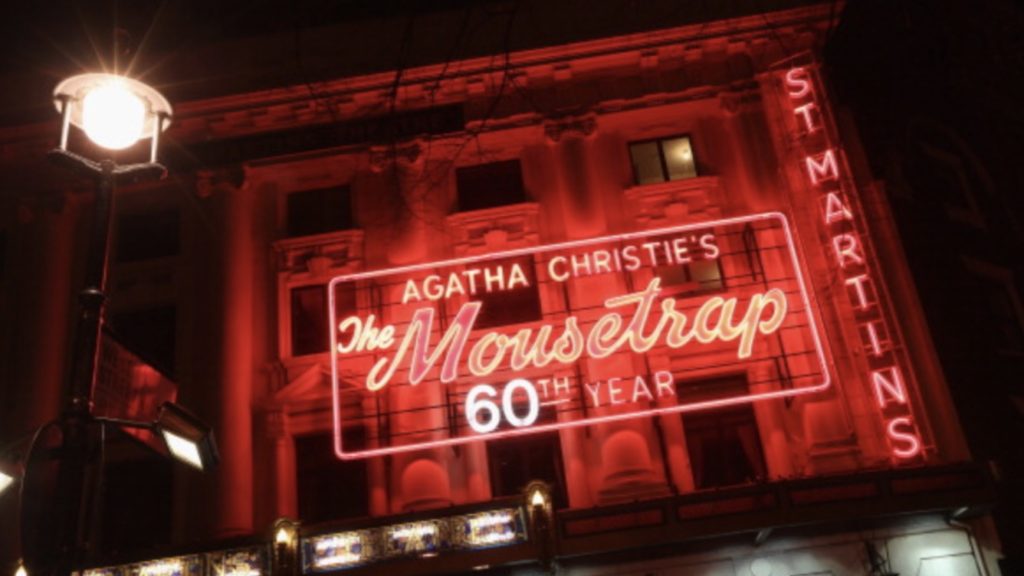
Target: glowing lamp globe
[115,112]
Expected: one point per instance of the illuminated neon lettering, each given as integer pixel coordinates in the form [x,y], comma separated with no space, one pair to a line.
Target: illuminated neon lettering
[798,84]
[412,292]
[822,167]
[595,393]
[873,340]
[525,354]
[494,280]
[714,321]
[555,275]
[614,392]
[415,351]
[640,389]
[888,386]
[663,380]
[858,283]
[681,251]
[847,248]
[454,287]
[711,250]
[836,209]
[599,343]
[804,112]
[631,261]
[418,335]
[517,278]
[580,262]
[432,288]
[602,262]
[910,444]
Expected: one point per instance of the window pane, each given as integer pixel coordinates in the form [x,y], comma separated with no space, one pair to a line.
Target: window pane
[330,488]
[489,185]
[646,163]
[149,333]
[707,274]
[147,236]
[724,447]
[515,462]
[319,211]
[679,158]
[309,320]
[503,307]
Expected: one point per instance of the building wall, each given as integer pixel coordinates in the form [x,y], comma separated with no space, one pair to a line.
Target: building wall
[568,115]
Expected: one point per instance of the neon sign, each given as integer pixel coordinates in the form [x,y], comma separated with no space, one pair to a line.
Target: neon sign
[626,325]
[823,166]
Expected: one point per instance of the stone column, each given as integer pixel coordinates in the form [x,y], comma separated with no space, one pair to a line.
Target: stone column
[419,480]
[286,492]
[234,434]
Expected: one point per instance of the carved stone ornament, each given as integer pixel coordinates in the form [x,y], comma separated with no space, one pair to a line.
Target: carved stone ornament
[578,126]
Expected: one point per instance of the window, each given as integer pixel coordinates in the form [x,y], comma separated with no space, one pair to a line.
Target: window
[330,488]
[309,316]
[151,333]
[319,211]
[724,446]
[662,160]
[697,277]
[515,462]
[147,236]
[489,185]
[503,307]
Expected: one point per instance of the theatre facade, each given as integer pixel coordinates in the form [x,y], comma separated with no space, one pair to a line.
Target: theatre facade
[632,305]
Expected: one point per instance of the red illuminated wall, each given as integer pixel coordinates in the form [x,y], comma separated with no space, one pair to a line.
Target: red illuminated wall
[764,139]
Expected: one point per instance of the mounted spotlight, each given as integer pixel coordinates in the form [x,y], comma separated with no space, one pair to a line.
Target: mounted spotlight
[188,439]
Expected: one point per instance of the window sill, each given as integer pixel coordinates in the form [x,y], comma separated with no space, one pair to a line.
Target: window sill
[342,249]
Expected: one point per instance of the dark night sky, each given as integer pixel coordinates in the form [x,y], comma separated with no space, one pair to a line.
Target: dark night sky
[193,48]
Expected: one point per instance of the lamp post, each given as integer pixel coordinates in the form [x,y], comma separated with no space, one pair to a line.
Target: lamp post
[114,112]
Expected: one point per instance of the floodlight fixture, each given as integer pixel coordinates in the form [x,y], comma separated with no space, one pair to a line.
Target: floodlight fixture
[187,437]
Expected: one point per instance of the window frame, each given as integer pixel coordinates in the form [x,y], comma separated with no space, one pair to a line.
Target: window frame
[661,157]
[287,210]
[524,194]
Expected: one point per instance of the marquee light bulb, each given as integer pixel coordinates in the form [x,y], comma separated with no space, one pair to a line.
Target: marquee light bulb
[112,116]
[538,499]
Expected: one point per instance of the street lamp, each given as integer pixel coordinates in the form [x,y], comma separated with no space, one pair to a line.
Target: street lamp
[114,112]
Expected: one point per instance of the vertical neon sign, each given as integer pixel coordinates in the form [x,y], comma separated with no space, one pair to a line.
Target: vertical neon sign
[825,170]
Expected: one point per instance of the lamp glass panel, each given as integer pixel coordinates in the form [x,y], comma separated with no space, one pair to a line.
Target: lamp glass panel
[112,116]
[183,449]
[5,481]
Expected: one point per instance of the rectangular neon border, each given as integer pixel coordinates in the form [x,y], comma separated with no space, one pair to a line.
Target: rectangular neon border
[812,324]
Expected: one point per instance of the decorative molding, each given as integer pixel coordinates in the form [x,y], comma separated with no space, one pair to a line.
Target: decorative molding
[573,126]
[492,229]
[319,254]
[675,202]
